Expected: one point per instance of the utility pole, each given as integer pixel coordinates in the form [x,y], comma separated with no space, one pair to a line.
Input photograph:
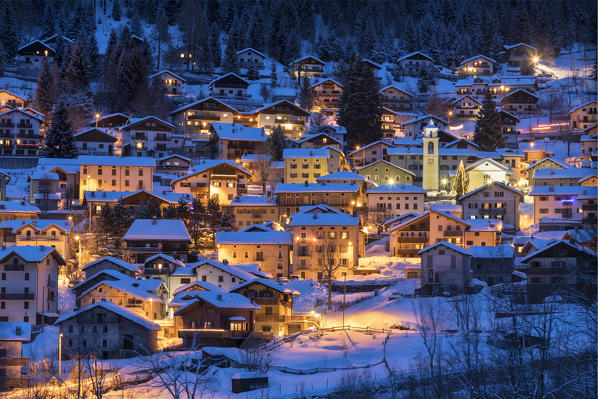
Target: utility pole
[344,299]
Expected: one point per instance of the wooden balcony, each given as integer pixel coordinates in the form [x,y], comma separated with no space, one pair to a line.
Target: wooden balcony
[453,233]
[8,383]
[414,239]
[16,296]
[271,318]
[14,361]
[211,333]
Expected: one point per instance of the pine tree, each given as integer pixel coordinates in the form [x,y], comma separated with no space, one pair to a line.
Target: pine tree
[2,59]
[277,142]
[161,33]
[425,80]
[197,217]
[436,106]
[306,95]
[9,33]
[213,213]
[76,73]
[116,11]
[132,79]
[461,181]
[44,90]
[215,49]
[360,105]
[488,130]
[59,141]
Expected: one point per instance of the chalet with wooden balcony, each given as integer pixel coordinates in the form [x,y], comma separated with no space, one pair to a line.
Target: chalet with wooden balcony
[493,201]
[466,107]
[560,268]
[109,330]
[275,315]
[396,98]
[519,54]
[376,151]
[147,137]
[194,119]
[327,94]
[46,232]
[584,116]
[213,318]
[254,209]
[29,283]
[20,133]
[477,65]
[110,263]
[229,86]
[289,116]
[250,58]
[148,237]
[12,100]
[233,140]
[110,122]
[412,64]
[444,267]
[308,67]
[319,140]
[210,177]
[168,82]
[31,56]
[292,196]
[13,335]
[520,102]
[94,141]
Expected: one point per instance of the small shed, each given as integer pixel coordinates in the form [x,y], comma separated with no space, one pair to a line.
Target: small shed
[243,382]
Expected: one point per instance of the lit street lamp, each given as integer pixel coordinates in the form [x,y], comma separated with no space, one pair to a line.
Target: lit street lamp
[60,356]
[78,239]
[97,115]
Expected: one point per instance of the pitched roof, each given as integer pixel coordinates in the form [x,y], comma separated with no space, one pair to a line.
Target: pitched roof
[342,175]
[207,164]
[583,105]
[420,118]
[555,243]
[383,161]
[238,132]
[158,229]
[477,56]
[36,41]
[307,57]
[230,74]
[15,331]
[415,53]
[38,117]
[496,183]
[32,254]
[106,160]
[230,269]
[322,215]
[316,187]
[582,192]
[38,224]
[268,106]
[166,257]
[167,72]
[396,188]
[253,200]
[129,286]
[267,283]
[203,100]
[563,164]
[222,300]
[569,173]
[254,237]
[204,285]
[446,245]
[397,88]
[489,160]
[119,262]
[510,46]
[114,308]
[387,143]
[305,153]
[96,131]
[135,121]
[324,80]
[251,49]
[517,91]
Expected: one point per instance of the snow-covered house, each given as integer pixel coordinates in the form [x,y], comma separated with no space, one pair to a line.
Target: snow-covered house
[174,164]
[13,334]
[465,106]
[270,248]
[412,64]
[493,201]
[494,265]
[224,275]
[560,267]
[396,98]
[390,200]
[11,210]
[566,202]
[43,189]
[369,153]
[392,123]
[109,263]
[31,277]
[214,318]
[560,176]
[229,86]
[109,173]
[485,171]
[194,119]
[275,315]
[477,65]
[508,123]
[94,141]
[233,140]
[319,140]
[308,67]
[520,102]
[250,58]
[519,54]
[20,132]
[292,196]
[327,93]
[589,146]
[147,237]
[147,137]
[168,82]
[46,232]
[584,116]
[324,235]
[284,113]
[545,163]
[254,209]
[384,172]
[415,127]
[222,178]
[444,267]
[11,99]
[31,56]
[305,164]
[108,330]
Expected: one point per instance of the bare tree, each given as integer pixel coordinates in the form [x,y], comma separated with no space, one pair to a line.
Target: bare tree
[258,359]
[40,378]
[179,376]
[428,315]
[78,387]
[98,372]
[262,168]
[329,262]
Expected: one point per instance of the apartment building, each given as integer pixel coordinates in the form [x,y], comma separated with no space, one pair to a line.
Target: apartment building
[291,197]
[39,232]
[254,209]
[20,133]
[493,201]
[147,137]
[305,164]
[584,116]
[390,200]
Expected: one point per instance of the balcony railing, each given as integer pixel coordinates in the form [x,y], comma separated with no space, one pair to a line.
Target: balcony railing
[14,268]
[416,239]
[14,361]
[497,211]
[16,296]
[272,318]
[453,233]
[589,207]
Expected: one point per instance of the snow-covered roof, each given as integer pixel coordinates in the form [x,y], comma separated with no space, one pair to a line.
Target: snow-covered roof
[236,131]
[510,46]
[167,72]
[114,308]
[39,118]
[499,251]
[109,137]
[445,207]
[414,53]
[10,93]
[557,242]
[253,200]
[385,162]
[222,300]
[231,74]
[158,229]
[471,97]
[569,173]
[482,161]
[452,143]
[206,164]
[342,175]
[580,191]
[115,196]
[254,237]
[42,174]
[324,80]
[267,283]
[382,90]
[401,218]
[477,56]
[166,257]
[316,187]
[517,91]
[310,136]
[493,184]
[18,206]
[127,286]
[251,49]
[583,105]
[184,107]
[202,285]
[38,224]
[119,262]
[44,196]
[135,121]
[384,142]
[230,269]
[305,153]
[15,331]
[565,165]
[107,160]
[33,42]
[420,118]
[322,215]
[306,57]
[484,225]
[396,188]
[446,245]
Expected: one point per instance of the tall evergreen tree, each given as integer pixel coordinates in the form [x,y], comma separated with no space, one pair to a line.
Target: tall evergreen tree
[488,130]
[360,105]
[215,48]
[9,29]
[76,73]
[43,98]
[132,79]
[277,142]
[306,95]
[116,10]
[59,141]
[461,181]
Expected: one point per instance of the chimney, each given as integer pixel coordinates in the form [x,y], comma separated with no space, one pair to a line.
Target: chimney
[268,197]
[306,184]
[103,299]
[237,199]
[154,220]
[42,247]
[225,261]
[315,215]
[219,297]
[18,331]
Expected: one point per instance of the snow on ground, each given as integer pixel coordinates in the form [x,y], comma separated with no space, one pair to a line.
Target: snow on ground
[18,187]
[18,86]
[45,345]
[66,297]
